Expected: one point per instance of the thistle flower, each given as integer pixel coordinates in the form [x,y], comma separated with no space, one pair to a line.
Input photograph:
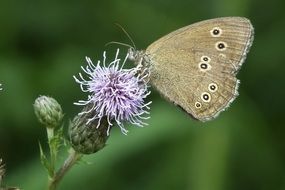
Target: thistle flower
[115,93]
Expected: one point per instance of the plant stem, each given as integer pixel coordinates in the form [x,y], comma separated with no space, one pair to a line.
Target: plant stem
[50,132]
[50,135]
[68,163]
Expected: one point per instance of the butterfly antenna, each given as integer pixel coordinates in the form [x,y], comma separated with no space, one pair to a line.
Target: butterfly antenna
[114,42]
[127,34]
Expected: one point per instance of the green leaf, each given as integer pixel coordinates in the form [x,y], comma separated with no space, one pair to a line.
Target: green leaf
[45,162]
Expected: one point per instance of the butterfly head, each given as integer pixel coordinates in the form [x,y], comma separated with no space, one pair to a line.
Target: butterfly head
[137,56]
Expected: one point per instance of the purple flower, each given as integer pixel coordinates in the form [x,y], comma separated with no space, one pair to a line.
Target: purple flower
[115,93]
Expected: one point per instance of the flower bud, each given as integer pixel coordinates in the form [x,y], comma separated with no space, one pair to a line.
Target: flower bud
[88,137]
[48,111]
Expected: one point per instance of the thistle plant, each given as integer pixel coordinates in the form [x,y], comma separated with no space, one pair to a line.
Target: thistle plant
[115,96]
[2,173]
[49,113]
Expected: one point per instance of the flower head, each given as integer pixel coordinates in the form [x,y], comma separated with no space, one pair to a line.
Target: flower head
[115,93]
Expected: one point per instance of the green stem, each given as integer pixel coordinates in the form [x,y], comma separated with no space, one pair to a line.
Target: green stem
[50,135]
[50,132]
[68,163]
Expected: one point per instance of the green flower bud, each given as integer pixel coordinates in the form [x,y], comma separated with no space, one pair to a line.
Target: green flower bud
[48,111]
[88,138]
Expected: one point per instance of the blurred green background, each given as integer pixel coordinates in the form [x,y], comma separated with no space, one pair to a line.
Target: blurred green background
[44,43]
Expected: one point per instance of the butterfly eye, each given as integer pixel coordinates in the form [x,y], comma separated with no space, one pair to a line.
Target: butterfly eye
[222,56]
[221,46]
[216,32]
[213,87]
[204,66]
[205,59]
[198,105]
[206,97]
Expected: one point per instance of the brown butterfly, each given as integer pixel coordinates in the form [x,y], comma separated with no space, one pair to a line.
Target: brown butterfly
[195,66]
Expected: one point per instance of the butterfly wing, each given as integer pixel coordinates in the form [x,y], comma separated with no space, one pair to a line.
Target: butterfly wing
[195,67]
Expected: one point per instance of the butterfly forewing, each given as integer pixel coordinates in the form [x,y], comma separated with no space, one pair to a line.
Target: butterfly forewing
[195,66]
